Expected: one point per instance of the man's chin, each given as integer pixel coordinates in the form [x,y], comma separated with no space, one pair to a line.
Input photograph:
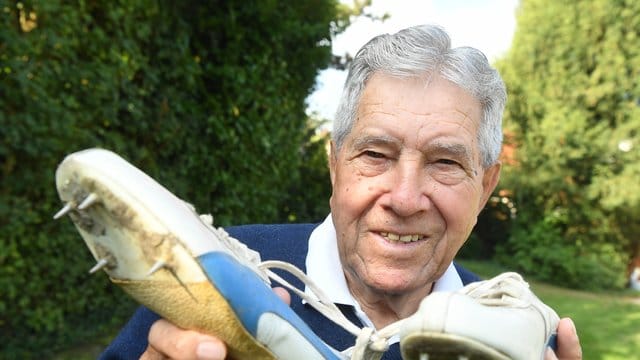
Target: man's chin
[394,285]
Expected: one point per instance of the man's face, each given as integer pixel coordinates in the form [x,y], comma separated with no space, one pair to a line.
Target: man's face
[407,183]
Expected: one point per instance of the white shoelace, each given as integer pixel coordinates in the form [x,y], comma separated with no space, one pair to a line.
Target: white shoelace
[505,289]
[370,344]
[509,289]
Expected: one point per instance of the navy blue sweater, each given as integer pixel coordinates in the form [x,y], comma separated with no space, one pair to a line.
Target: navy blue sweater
[286,242]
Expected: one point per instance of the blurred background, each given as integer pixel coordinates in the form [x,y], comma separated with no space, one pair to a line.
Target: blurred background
[229,105]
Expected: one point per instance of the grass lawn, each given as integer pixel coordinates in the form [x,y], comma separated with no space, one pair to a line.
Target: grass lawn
[608,323]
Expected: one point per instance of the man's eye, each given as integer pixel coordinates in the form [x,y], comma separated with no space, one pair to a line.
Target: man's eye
[448,162]
[447,171]
[374,154]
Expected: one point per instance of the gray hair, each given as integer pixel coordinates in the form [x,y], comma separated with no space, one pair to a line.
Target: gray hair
[424,51]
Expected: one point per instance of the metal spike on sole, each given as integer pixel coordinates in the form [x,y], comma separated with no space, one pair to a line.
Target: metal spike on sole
[99,265]
[157,266]
[88,201]
[64,211]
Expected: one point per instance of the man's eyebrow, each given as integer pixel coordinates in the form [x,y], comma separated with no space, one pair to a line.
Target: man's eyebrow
[368,140]
[458,150]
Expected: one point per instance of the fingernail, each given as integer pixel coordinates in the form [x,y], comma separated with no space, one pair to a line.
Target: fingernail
[210,351]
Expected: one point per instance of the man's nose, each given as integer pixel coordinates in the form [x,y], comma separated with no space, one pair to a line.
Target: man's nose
[408,190]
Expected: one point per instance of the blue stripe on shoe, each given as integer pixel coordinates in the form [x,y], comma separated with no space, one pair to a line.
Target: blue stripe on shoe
[250,297]
[553,342]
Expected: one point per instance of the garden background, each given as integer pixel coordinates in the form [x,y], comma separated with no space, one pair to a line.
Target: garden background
[209,99]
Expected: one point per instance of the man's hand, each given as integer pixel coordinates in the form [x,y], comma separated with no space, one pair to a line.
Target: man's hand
[568,343]
[167,341]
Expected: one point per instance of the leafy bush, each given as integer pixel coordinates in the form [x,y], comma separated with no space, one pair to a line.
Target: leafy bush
[308,197]
[492,228]
[207,97]
[572,119]
[542,251]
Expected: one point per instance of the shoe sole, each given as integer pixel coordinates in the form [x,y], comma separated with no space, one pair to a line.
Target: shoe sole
[440,346]
[142,249]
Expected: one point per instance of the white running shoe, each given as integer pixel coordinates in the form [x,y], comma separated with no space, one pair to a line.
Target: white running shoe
[172,260]
[495,319]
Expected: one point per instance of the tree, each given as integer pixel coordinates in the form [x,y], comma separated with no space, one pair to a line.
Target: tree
[574,112]
[207,97]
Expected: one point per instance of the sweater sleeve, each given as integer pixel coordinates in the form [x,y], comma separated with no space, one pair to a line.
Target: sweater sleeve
[132,341]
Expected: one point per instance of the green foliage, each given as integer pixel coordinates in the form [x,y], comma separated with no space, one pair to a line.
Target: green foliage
[308,197]
[206,97]
[541,250]
[492,228]
[574,115]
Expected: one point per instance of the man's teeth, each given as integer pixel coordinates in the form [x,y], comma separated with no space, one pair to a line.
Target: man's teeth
[401,238]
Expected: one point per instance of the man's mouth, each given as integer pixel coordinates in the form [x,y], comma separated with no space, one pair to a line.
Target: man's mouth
[397,238]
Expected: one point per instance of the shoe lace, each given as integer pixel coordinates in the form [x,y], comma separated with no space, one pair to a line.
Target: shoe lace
[510,289]
[370,343]
[242,252]
[505,289]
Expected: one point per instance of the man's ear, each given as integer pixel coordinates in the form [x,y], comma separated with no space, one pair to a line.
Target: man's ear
[333,153]
[489,182]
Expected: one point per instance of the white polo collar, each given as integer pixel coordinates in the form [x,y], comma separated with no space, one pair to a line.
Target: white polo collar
[324,268]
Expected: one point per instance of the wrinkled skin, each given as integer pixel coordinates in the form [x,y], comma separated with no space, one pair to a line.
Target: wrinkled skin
[411,166]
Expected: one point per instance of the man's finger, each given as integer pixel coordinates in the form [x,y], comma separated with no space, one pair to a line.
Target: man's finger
[152,354]
[550,355]
[568,342]
[283,294]
[167,341]
[173,342]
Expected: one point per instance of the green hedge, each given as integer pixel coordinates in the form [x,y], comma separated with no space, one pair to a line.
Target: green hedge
[543,251]
[206,97]
[572,121]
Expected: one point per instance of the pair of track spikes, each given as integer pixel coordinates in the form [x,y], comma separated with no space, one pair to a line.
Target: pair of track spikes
[172,260]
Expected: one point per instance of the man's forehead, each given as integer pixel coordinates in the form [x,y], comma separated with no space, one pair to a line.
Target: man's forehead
[394,95]
[441,135]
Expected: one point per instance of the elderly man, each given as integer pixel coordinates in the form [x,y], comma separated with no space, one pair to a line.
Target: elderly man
[414,158]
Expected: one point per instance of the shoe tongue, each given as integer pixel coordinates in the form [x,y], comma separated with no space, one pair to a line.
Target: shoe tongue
[507,288]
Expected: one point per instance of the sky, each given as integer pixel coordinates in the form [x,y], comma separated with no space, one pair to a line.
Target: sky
[487,25]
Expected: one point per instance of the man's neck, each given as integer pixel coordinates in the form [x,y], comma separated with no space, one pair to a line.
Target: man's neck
[384,308]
